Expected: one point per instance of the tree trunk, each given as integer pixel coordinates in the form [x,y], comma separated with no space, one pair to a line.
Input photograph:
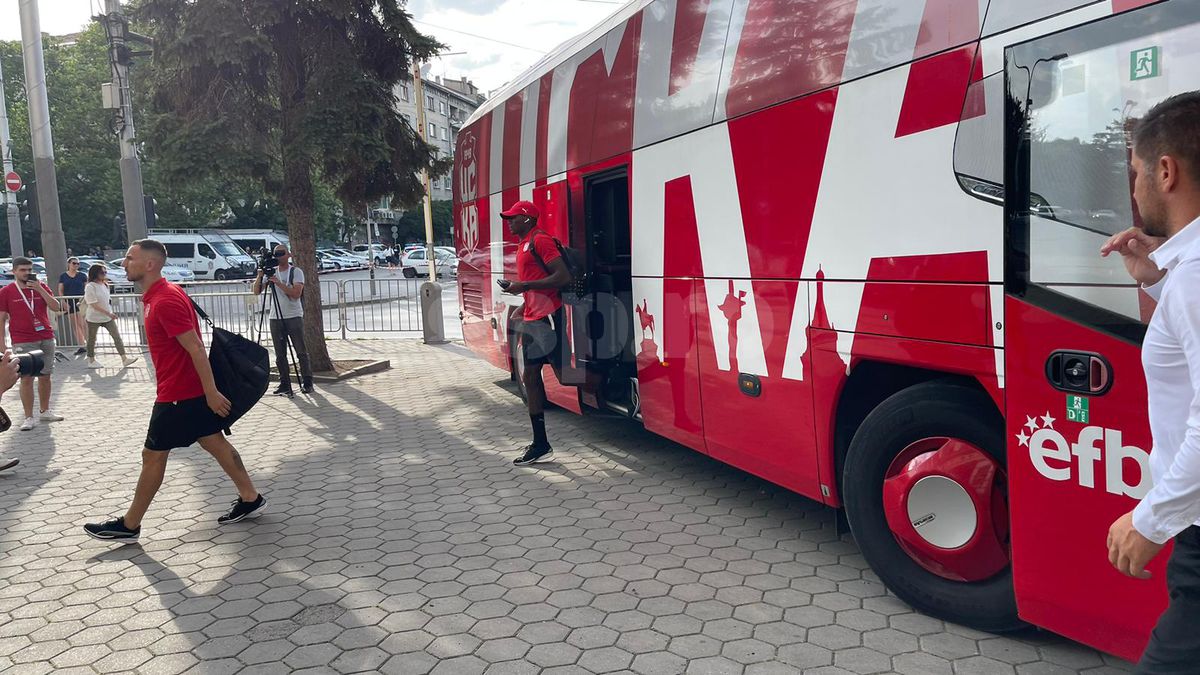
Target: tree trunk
[297,192]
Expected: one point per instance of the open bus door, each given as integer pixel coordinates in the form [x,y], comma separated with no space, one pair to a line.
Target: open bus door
[1077,430]
[602,322]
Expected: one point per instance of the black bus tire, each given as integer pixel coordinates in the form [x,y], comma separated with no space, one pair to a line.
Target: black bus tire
[931,409]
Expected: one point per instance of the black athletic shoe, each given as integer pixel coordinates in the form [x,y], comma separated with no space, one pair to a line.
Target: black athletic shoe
[112,530]
[242,510]
[284,390]
[80,352]
[306,387]
[6,465]
[534,454]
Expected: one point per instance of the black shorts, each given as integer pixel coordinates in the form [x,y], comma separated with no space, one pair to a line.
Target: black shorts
[542,340]
[72,305]
[179,424]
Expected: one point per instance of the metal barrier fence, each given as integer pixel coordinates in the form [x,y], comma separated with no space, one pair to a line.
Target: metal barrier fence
[350,308]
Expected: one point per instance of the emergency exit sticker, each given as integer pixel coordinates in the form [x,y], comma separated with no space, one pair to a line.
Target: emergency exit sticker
[1077,409]
[1145,63]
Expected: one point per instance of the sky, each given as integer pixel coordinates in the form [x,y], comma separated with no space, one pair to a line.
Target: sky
[479,27]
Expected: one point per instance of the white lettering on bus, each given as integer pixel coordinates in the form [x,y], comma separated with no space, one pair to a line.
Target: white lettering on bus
[1057,459]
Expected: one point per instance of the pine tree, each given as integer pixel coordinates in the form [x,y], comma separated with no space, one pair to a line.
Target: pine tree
[288,92]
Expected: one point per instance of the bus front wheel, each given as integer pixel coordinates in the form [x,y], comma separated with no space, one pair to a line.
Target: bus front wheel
[924,486]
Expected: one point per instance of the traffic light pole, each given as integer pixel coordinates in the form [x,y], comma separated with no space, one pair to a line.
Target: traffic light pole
[54,245]
[117,27]
[16,244]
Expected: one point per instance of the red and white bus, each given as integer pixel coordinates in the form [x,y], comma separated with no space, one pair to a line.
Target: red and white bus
[854,247]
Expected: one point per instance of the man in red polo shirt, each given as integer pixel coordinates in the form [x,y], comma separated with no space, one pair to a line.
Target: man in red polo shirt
[541,273]
[23,307]
[189,408]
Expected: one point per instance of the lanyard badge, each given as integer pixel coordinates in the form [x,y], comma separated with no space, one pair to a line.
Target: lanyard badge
[38,324]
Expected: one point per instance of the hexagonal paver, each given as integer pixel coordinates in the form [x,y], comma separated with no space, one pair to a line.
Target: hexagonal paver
[400,539]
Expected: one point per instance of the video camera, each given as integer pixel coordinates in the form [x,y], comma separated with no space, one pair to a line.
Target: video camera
[30,363]
[268,264]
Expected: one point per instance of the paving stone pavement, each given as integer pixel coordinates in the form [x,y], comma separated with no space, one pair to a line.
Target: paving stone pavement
[399,539]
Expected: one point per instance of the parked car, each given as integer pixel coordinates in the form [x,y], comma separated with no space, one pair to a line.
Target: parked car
[178,274]
[378,252]
[340,261]
[414,264]
[118,280]
[174,273]
[325,264]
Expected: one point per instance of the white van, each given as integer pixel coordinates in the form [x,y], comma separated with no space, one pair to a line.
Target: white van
[209,254]
[255,242]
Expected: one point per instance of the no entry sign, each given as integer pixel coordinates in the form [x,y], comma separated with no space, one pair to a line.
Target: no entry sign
[12,181]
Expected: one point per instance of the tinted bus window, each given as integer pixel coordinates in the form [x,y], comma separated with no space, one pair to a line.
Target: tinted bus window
[1005,15]
[1079,174]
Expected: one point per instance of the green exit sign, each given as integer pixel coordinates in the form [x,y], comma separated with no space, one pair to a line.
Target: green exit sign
[1077,409]
[1145,63]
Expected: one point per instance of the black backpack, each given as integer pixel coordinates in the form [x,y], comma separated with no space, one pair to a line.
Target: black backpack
[577,287]
[241,369]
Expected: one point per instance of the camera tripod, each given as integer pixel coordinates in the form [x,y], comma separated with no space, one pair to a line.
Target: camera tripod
[292,363]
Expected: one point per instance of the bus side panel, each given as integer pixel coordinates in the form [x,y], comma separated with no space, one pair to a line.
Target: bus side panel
[669,379]
[551,200]
[766,429]
[1069,480]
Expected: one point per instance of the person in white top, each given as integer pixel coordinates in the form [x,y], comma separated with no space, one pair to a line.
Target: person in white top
[100,314]
[1164,256]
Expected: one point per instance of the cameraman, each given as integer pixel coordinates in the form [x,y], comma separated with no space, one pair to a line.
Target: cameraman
[23,307]
[287,282]
[8,377]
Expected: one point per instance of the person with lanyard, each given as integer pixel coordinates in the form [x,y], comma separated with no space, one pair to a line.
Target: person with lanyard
[71,285]
[24,306]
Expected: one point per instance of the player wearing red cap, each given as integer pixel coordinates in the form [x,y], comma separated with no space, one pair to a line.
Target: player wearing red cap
[541,272]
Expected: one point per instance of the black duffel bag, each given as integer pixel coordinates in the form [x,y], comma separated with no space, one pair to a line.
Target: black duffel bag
[241,368]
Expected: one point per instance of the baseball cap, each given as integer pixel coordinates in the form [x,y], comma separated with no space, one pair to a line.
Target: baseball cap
[521,208]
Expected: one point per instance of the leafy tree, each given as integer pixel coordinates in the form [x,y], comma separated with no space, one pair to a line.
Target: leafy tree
[86,152]
[289,92]
[411,226]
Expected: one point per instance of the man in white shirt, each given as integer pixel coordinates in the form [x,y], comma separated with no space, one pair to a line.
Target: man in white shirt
[1164,256]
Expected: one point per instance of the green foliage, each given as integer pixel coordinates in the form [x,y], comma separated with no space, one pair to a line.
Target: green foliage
[86,150]
[242,86]
[411,226]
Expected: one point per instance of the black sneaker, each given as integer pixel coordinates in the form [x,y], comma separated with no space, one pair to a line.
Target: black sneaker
[80,352]
[112,530]
[284,390]
[306,387]
[534,454]
[242,510]
[6,465]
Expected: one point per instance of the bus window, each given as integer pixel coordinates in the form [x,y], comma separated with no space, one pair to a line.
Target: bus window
[979,143]
[1005,15]
[1080,150]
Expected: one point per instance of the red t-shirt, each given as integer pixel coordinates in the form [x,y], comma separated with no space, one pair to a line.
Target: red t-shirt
[538,302]
[169,314]
[21,323]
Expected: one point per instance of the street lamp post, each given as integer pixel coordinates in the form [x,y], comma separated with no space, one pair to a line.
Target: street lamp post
[54,244]
[431,292]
